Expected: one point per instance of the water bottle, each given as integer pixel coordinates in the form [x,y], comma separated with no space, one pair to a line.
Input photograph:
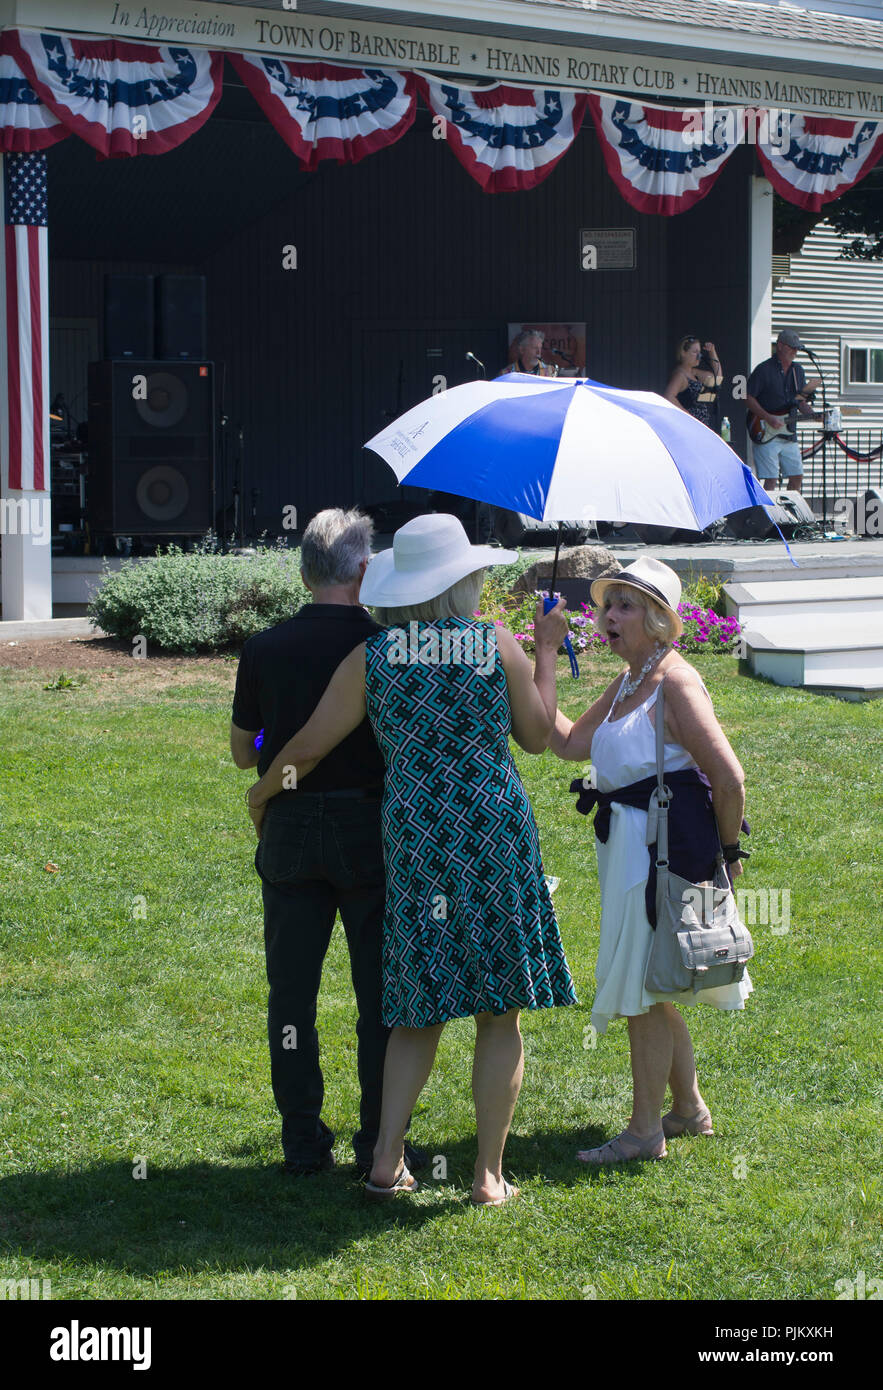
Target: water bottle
[725,430]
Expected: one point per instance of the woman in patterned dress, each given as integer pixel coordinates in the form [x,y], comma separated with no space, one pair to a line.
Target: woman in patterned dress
[469,926]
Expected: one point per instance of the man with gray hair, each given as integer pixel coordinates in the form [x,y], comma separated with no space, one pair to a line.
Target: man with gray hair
[321,850]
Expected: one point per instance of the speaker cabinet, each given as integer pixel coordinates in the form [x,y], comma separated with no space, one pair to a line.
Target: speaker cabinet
[180,317]
[151,447]
[129,316]
[797,507]
[515,528]
[758,523]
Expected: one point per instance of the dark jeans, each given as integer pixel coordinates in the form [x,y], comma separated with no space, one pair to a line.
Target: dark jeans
[319,855]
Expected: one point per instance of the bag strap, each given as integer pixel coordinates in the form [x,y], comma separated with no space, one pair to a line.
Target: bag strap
[663,794]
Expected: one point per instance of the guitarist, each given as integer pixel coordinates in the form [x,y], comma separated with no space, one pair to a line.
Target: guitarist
[777,390]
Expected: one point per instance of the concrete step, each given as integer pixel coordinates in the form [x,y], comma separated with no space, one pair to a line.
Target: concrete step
[828,597]
[810,631]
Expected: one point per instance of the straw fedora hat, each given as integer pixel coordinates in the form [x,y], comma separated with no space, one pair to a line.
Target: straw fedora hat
[428,555]
[651,577]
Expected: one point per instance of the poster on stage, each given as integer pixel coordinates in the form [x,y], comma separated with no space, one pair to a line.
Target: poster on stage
[564,346]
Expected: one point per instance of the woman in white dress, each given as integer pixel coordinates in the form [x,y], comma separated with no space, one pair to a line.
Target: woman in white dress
[637,609]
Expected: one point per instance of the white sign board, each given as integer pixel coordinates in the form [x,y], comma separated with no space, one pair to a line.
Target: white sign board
[275,30]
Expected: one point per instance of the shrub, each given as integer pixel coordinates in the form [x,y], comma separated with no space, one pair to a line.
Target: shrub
[202,601]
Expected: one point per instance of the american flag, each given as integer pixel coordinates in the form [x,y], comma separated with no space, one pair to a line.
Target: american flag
[25,272]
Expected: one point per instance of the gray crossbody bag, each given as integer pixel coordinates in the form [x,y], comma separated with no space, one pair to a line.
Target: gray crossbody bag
[699,941]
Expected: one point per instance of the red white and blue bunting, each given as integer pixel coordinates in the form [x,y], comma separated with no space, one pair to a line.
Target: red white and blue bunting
[660,159]
[121,98]
[822,159]
[325,112]
[26,125]
[507,138]
[130,99]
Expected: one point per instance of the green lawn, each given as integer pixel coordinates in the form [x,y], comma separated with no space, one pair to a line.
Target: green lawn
[133,1026]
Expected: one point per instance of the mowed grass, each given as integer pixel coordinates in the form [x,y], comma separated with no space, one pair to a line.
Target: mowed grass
[133,1029]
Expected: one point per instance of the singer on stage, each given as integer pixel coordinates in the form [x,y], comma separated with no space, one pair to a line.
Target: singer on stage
[528,355]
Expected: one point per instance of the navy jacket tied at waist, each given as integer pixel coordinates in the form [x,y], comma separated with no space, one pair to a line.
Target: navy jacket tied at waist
[693,840]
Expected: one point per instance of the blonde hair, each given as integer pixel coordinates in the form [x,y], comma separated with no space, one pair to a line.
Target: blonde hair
[459,601]
[659,623]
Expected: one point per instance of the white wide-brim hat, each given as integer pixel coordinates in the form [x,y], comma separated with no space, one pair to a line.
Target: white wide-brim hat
[428,555]
[651,577]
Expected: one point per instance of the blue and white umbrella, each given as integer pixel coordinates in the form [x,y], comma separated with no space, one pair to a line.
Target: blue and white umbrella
[560,448]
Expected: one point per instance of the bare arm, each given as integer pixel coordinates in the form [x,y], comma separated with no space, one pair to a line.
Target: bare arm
[757,409]
[573,742]
[679,381]
[691,720]
[532,694]
[715,377]
[340,711]
[242,746]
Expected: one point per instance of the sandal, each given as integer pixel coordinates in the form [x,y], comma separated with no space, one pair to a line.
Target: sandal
[615,1151]
[405,1182]
[508,1192]
[674,1125]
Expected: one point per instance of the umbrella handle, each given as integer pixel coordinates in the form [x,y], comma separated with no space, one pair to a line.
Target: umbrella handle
[548,604]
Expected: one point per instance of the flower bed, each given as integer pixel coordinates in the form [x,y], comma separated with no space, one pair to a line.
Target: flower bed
[704,629]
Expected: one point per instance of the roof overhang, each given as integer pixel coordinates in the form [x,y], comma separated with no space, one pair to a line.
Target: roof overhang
[508,40]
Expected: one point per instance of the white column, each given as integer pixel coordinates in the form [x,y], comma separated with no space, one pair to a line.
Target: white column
[760,278]
[25,528]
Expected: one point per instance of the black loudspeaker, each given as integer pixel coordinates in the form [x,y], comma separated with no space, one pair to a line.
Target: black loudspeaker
[654,535]
[151,447]
[180,317]
[757,523]
[797,507]
[515,528]
[128,316]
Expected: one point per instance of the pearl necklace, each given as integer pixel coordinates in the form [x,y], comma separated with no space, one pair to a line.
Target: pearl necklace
[631,686]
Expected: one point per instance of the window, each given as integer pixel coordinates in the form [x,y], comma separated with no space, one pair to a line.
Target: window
[864,362]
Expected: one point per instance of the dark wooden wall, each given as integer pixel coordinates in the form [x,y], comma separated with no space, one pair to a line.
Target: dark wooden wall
[399,257]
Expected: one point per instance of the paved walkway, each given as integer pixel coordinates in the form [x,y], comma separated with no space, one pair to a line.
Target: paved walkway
[47,628]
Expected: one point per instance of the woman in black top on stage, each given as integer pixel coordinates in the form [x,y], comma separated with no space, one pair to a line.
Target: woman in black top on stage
[689,381]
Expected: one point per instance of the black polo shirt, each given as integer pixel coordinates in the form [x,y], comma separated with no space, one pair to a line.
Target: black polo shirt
[282,677]
[773,389]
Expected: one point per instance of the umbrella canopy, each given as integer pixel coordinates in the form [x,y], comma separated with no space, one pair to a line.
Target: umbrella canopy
[562,448]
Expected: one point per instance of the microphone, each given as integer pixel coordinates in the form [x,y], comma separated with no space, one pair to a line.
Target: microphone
[472,358]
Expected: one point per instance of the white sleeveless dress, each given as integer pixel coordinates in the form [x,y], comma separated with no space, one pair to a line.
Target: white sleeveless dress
[624,751]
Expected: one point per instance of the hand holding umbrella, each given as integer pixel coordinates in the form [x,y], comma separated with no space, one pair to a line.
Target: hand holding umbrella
[551,627]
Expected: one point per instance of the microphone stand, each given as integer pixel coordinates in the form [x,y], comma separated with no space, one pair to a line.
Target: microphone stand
[815,362]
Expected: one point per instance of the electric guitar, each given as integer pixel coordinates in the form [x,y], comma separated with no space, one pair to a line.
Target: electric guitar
[760,431]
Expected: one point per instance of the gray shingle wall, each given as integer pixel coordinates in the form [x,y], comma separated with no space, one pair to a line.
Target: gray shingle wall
[771,21]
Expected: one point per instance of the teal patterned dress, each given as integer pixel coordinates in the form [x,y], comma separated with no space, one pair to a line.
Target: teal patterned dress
[469,924]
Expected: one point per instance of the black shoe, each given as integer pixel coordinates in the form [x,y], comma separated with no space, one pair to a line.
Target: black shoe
[301,1168]
[415,1159]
